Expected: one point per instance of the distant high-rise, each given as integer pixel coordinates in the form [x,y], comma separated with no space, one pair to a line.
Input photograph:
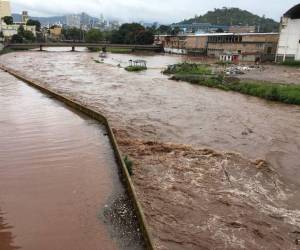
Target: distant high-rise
[25,16]
[4,8]
[74,21]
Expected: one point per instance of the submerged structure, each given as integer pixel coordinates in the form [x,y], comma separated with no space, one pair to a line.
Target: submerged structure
[289,41]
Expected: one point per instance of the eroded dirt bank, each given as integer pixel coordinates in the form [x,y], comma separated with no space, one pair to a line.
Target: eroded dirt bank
[193,198]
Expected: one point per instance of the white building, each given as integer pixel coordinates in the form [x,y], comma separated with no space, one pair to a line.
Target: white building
[10,30]
[289,41]
[4,8]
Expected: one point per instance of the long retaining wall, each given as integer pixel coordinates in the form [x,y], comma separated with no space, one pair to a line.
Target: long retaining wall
[101,118]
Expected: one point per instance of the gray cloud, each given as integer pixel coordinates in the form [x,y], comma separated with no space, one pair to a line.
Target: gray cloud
[165,11]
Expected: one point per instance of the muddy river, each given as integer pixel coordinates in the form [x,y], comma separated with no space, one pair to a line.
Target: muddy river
[148,107]
[59,183]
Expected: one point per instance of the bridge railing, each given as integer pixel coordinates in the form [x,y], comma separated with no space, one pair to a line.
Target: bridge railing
[73,45]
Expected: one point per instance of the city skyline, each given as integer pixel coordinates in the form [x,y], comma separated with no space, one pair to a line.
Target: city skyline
[167,11]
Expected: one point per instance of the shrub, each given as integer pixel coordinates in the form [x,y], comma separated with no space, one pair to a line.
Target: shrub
[128,164]
[135,68]
[201,75]
[291,63]
[188,68]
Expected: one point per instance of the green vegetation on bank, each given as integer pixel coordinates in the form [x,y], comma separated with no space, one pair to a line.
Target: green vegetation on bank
[188,68]
[135,68]
[128,164]
[119,50]
[291,63]
[289,94]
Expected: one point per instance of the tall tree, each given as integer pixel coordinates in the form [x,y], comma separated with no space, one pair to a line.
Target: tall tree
[35,23]
[8,20]
[94,36]
[132,33]
[74,34]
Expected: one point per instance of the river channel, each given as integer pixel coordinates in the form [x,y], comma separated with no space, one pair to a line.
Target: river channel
[148,105]
[147,108]
[59,182]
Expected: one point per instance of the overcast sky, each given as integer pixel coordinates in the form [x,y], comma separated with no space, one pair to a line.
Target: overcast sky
[163,11]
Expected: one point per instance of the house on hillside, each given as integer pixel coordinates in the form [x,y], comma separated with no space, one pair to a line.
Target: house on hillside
[289,41]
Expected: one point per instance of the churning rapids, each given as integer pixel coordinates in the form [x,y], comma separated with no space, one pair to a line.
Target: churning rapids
[166,128]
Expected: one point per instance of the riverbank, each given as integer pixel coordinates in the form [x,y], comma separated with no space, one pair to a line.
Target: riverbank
[165,126]
[202,75]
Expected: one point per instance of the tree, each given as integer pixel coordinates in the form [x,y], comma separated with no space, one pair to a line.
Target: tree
[8,20]
[35,23]
[132,33]
[175,31]
[94,36]
[21,31]
[74,34]
[16,39]
[40,37]
[145,37]
[164,29]
[28,36]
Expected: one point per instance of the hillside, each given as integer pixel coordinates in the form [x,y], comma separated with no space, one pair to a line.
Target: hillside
[235,16]
[48,20]
[43,20]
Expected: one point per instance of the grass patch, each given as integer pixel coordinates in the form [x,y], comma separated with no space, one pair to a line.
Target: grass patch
[291,63]
[128,164]
[135,68]
[289,94]
[222,63]
[119,50]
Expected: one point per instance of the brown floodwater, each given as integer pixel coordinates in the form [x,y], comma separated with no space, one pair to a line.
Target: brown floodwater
[192,199]
[150,106]
[59,182]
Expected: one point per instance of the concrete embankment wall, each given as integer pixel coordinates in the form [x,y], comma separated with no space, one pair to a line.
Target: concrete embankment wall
[99,117]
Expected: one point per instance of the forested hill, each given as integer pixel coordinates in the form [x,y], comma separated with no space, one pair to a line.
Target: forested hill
[235,16]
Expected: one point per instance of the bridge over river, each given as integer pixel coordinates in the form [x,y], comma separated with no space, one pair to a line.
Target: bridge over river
[74,45]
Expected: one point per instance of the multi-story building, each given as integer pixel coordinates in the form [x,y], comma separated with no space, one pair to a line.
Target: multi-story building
[55,33]
[4,8]
[240,46]
[73,20]
[289,41]
[25,17]
[10,30]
